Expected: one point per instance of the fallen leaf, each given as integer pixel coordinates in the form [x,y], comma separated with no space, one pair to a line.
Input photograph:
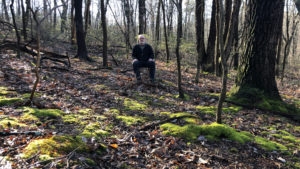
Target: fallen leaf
[114,145]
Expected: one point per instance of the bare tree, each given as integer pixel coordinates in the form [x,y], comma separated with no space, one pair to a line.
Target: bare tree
[199,18]
[64,16]
[157,28]
[224,48]
[165,30]
[104,30]
[82,52]
[25,17]
[73,26]
[142,16]
[5,10]
[178,4]
[87,15]
[15,27]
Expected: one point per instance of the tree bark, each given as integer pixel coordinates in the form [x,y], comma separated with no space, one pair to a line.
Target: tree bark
[142,16]
[199,19]
[73,26]
[178,41]
[165,30]
[87,15]
[15,27]
[5,10]
[104,32]
[236,35]
[209,60]
[64,15]
[54,16]
[157,27]
[81,46]
[25,17]
[257,69]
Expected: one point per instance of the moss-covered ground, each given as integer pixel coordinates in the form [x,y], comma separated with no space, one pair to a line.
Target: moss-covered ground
[88,117]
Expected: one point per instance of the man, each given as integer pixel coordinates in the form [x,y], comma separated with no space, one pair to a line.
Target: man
[142,55]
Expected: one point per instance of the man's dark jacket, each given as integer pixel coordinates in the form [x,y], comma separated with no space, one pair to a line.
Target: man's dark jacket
[142,55]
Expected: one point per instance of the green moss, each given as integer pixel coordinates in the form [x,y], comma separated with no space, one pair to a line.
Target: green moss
[85,111]
[8,101]
[93,130]
[54,146]
[213,131]
[186,97]
[130,120]
[27,95]
[5,91]
[42,113]
[8,122]
[165,113]
[27,117]
[254,97]
[269,145]
[190,120]
[212,110]
[90,162]
[133,105]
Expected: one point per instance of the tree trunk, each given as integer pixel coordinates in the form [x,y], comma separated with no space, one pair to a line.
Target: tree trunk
[45,6]
[170,18]
[54,17]
[178,41]
[81,46]
[86,15]
[127,21]
[25,17]
[257,69]
[199,16]
[209,60]
[15,27]
[165,30]
[157,27]
[73,26]
[236,35]
[18,8]
[64,16]
[5,10]
[104,32]
[142,16]
[228,9]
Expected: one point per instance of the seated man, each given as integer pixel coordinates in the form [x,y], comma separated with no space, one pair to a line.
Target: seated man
[142,55]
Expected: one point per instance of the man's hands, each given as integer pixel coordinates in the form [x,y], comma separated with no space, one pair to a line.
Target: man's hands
[149,60]
[134,60]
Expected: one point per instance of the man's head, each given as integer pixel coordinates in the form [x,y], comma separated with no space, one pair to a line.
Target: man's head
[142,39]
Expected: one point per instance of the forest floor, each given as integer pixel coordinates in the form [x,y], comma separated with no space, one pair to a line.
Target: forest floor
[85,117]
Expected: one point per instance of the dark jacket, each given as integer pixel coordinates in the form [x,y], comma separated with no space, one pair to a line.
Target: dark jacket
[142,55]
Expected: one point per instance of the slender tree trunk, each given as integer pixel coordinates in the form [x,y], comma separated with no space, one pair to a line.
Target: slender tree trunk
[73,26]
[165,30]
[25,16]
[157,29]
[236,36]
[209,60]
[15,27]
[104,32]
[142,16]
[257,69]
[86,15]
[5,10]
[178,41]
[37,67]
[228,9]
[279,45]
[64,16]
[199,15]
[82,52]
[18,8]
[45,6]
[225,48]
[170,18]
[54,17]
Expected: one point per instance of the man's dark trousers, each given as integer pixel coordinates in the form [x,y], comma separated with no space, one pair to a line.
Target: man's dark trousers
[149,64]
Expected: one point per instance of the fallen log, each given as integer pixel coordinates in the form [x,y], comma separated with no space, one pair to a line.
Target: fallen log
[32,133]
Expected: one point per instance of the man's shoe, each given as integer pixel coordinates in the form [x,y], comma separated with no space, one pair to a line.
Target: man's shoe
[139,81]
[152,81]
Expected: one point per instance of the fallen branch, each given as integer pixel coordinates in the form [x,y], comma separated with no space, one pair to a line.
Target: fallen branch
[32,133]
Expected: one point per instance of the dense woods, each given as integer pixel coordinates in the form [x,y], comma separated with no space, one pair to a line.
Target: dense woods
[226,90]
